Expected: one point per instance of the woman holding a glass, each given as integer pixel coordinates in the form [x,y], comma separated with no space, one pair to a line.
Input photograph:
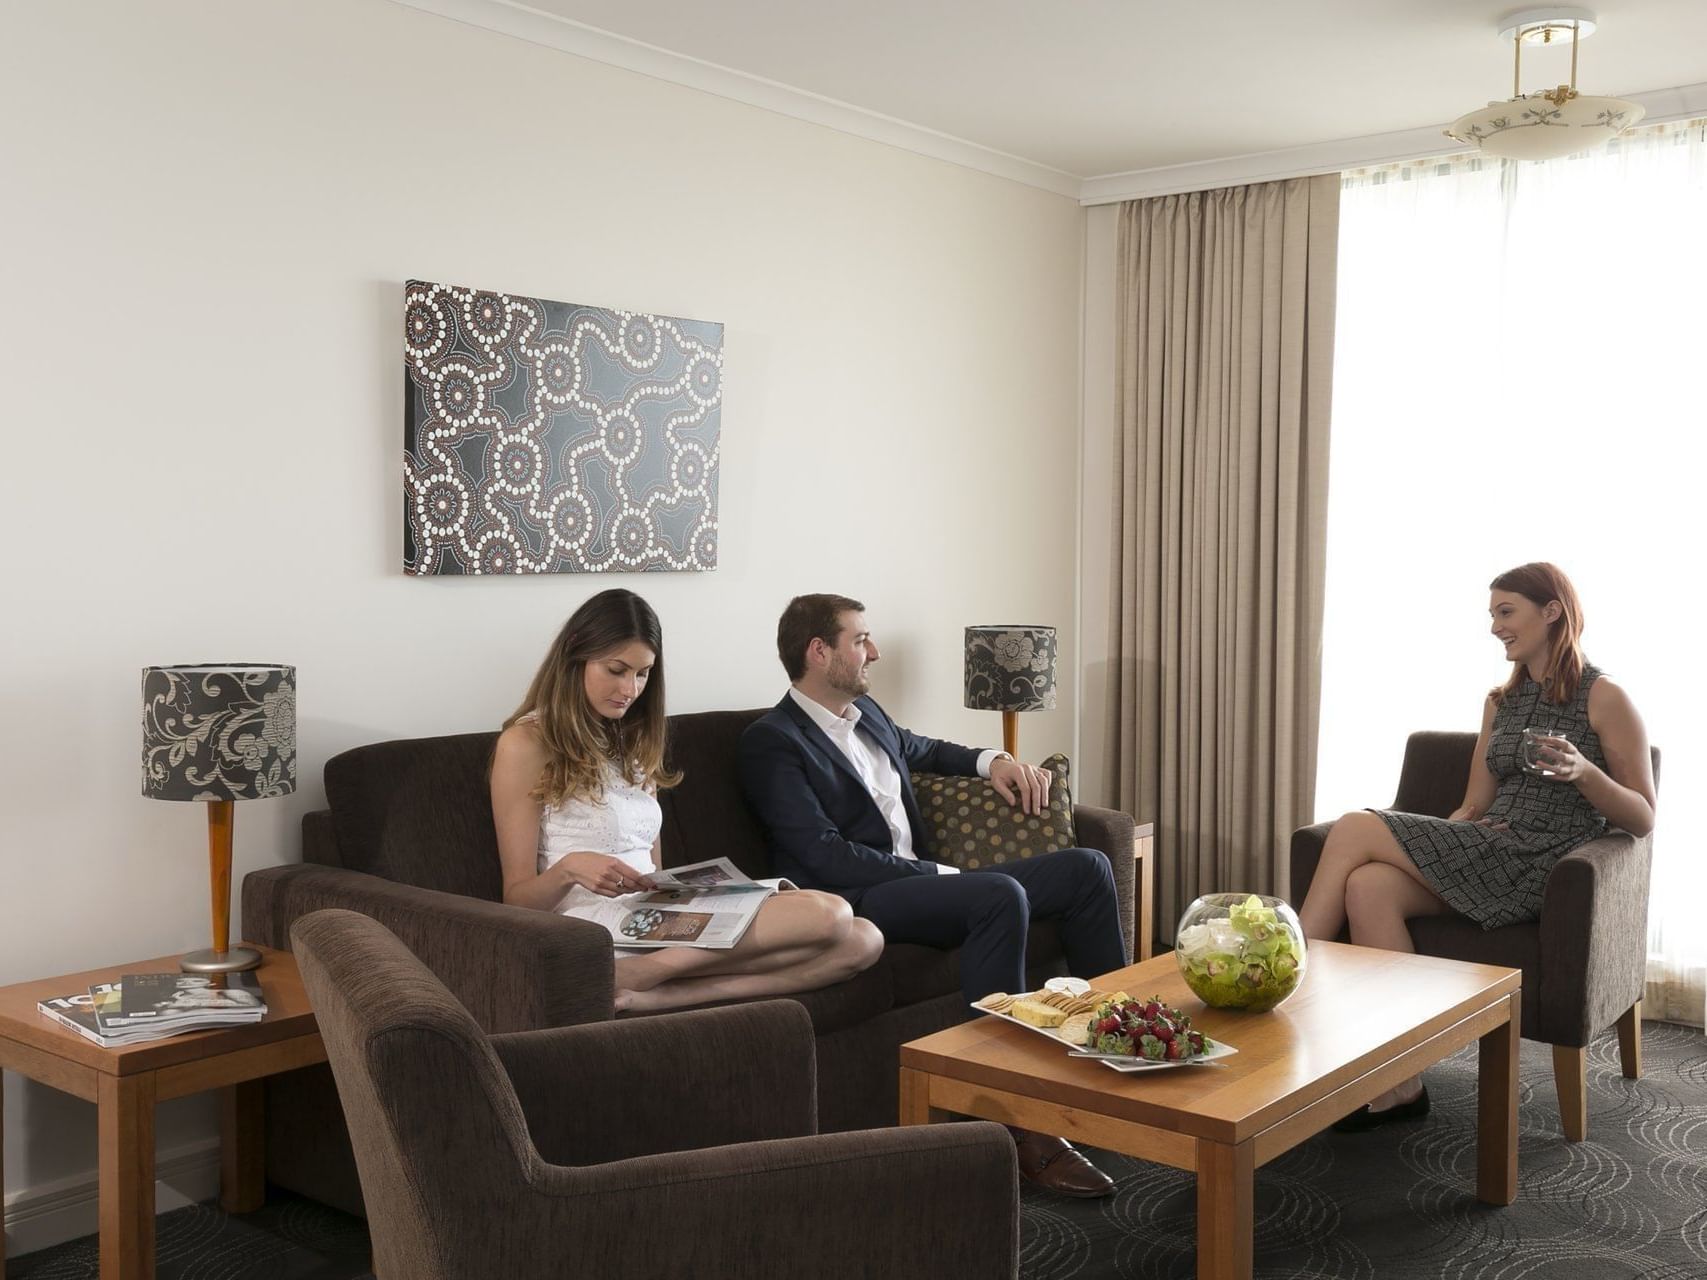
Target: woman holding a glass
[1562,754]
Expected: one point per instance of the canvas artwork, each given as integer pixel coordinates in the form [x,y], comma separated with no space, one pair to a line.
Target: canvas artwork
[549,437]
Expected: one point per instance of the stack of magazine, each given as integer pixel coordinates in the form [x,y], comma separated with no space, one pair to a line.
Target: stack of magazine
[150,1006]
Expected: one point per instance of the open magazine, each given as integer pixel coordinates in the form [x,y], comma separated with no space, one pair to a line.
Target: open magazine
[704,904]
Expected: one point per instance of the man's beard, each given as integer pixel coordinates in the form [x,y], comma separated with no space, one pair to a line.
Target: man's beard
[844,679]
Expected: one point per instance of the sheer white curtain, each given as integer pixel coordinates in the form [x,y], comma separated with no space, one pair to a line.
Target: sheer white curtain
[1519,376]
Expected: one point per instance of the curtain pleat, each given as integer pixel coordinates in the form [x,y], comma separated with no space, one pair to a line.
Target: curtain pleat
[1225,349]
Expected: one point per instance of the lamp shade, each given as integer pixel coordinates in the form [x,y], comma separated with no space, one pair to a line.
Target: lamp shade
[1539,127]
[1010,668]
[218,731]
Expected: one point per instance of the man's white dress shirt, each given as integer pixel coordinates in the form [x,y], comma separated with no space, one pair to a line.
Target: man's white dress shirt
[876,770]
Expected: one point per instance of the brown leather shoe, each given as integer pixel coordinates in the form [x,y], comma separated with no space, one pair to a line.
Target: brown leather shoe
[1055,1165]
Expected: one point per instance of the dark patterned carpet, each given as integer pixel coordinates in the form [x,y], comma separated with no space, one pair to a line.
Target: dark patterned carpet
[1395,1204]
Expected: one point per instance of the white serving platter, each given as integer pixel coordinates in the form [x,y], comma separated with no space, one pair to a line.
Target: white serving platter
[1214,1050]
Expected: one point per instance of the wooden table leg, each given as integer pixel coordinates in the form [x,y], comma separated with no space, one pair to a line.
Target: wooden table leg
[242,1137]
[2,1175]
[1226,1182]
[126,1124]
[1496,1108]
[1146,897]
[916,1098]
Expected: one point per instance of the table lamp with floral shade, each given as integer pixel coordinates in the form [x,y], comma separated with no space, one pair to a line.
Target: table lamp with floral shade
[219,732]
[1010,668]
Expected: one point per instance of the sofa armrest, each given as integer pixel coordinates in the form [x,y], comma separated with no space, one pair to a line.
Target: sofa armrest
[1307,845]
[914,1203]
[1594,937]
[673,1082]
[1113,832]
[513,968]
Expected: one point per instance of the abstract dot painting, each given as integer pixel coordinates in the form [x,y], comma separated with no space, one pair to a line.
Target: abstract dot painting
[550,437]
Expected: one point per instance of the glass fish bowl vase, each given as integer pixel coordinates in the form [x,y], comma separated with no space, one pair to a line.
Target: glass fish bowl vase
[1240,951]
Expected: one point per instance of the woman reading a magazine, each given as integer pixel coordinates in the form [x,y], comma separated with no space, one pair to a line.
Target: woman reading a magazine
[574,783]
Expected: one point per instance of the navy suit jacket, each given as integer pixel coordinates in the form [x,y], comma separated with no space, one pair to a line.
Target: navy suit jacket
[825,830]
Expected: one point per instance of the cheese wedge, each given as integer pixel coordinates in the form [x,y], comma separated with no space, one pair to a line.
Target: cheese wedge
[1037,1013]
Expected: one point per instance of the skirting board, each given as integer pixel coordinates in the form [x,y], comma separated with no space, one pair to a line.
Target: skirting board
[41,1217]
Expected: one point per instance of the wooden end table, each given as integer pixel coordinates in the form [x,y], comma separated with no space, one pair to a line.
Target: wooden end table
[1144,895]
[1363,1021]
[125,1083]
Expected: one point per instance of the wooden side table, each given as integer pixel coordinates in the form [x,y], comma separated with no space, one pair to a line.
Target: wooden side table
[1144,841]
[125,1083]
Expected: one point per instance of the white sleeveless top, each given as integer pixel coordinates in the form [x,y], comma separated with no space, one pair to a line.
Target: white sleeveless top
[625,824]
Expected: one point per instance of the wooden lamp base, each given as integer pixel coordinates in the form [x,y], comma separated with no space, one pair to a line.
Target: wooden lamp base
[222,957]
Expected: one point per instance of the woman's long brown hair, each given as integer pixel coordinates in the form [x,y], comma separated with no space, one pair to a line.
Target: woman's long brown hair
[579,742]
[1543,583]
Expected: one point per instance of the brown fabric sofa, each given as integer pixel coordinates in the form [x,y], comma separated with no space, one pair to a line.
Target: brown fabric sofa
[1584,961]
[408,840]
[525,1154]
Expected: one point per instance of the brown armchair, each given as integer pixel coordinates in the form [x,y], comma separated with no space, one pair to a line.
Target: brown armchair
[1584,961]
[679,1145]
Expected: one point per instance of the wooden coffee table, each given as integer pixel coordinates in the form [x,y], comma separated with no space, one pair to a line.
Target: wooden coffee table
[125,1083]
[1363,1021]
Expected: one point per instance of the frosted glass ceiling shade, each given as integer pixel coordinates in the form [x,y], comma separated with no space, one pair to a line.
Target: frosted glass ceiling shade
[1535,128]
[1559,122]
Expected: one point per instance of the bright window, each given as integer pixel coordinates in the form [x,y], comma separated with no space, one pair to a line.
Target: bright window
[1519,375]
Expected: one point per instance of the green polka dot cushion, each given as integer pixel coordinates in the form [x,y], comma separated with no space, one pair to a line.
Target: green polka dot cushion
[970,826]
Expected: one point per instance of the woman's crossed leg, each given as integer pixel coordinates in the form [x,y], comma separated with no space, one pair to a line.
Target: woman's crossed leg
[799,940]
[1367,880]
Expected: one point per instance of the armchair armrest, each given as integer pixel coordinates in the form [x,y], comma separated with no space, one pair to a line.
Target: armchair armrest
[1112,832]
[916,1203]
[511,967]
[1594,937]
[678,1081]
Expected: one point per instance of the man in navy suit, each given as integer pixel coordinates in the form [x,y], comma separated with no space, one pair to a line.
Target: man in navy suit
[827,773]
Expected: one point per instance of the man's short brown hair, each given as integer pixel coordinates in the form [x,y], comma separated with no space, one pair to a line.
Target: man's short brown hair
[809,618]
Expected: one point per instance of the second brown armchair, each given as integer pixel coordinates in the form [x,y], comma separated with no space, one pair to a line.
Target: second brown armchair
[1584,961]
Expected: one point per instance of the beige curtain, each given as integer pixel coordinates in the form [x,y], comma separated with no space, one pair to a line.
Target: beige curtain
[1225,351]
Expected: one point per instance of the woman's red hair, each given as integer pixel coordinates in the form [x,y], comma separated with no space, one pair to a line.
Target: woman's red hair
[1544,583]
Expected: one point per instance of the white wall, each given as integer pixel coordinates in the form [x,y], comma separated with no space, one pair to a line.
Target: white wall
[208,212]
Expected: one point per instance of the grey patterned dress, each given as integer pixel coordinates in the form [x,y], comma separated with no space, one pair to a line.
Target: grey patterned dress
[1497,877]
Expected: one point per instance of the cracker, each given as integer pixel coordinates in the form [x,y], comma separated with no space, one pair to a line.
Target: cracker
[1074,1029]
[997,1002]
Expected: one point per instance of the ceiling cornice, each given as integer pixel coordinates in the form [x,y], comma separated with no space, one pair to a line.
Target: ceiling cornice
[537,27]
[1332,157]
[511,18]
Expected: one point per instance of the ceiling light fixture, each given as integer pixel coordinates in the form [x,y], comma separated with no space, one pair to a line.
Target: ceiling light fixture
[1554,122]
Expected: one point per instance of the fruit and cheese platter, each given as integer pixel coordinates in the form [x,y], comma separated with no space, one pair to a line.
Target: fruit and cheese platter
[1110,1027]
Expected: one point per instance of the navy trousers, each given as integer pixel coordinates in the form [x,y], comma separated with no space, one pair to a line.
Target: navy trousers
[987,912]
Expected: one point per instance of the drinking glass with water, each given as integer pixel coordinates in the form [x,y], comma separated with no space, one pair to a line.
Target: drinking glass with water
[1534,751]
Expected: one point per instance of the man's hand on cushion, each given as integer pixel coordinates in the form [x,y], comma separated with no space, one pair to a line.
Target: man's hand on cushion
[1023,784]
